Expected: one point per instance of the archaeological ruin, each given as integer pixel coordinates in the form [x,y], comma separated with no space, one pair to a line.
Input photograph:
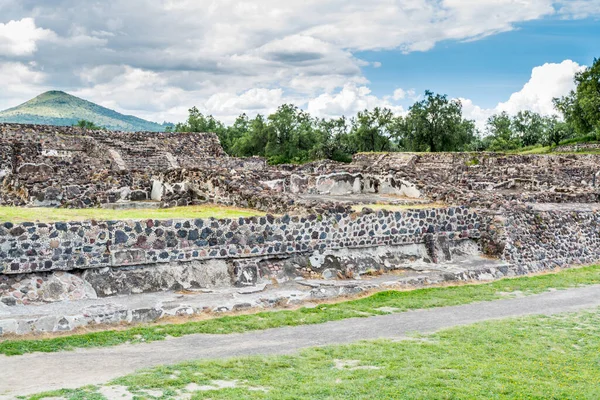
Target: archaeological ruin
[322,229]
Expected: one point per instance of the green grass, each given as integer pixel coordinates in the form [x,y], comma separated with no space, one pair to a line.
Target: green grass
[535,150]
[398,300]
[27,214]
[540,357]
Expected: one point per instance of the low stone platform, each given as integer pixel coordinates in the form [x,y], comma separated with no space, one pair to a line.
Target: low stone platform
[149,307]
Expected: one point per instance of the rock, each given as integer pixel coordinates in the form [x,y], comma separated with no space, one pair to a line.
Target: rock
[157,190]
[138,195]
[329,274]
[174,276]
[9,301]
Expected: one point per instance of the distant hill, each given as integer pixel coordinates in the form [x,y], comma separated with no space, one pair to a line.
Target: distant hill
[60,108]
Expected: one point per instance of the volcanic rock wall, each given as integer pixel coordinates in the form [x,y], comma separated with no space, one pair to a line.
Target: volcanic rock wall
[38,247]
[538,240]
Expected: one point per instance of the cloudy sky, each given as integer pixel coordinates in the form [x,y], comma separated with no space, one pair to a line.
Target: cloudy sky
[157,58]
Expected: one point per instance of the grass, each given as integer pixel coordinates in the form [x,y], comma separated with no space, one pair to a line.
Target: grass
[589,138]
[29,214]
[540,357]
[398,301]
[535,150]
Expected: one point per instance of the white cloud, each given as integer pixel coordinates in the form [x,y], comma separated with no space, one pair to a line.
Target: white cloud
[577,9]
[19,38]
[19,83]
[227,106]
[547,82]
[399,94]
[158,58]
[348,102]
[476,113]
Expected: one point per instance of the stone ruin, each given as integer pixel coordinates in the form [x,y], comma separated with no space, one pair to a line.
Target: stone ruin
[458,216]
[69,167]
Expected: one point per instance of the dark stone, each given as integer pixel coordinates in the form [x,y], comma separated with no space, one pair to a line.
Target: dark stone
[193,235]
[18,231]
[121,237]
[9,301]
[138,195]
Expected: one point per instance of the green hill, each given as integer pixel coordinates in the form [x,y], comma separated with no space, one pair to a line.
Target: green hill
[60,108]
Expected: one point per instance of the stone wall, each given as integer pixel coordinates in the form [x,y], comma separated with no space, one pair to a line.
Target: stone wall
[573,148]
[538,240]
[39,247]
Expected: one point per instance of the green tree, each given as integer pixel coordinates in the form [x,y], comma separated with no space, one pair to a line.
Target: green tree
[556,131]
[529,127]
[499,128]
[332,140]
[198,122]
[88,125]
[234,133]
[254,141]
[370,130]
[436,124]
[581,107]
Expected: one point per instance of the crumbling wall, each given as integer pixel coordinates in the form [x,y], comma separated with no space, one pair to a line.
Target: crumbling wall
[73,167]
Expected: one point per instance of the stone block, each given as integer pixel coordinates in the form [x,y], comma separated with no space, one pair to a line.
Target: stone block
[128,257]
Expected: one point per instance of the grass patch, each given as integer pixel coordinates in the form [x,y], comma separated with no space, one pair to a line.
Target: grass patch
[398,300]
[539,357]
[29,214]
[535,150]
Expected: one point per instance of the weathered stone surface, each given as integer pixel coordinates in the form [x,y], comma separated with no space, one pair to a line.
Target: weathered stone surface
[175,276]
[43,288]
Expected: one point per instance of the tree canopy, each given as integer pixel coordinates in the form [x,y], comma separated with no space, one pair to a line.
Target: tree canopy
[581,107]
[433,123]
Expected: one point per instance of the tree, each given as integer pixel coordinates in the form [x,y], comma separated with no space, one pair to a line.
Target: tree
[290,135]
[529,127]
[198,122]
[499,128]
[234,133]
[581,107]
[370,130]
[85,124]
[436,124]
[333,141]
[252,142]
[556,131]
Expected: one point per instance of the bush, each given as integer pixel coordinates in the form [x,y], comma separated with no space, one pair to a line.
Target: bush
[590,137]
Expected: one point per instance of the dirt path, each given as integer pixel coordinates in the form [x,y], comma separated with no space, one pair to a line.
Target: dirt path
[33,373]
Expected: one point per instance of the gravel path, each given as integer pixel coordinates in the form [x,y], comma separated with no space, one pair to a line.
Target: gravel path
[33,373]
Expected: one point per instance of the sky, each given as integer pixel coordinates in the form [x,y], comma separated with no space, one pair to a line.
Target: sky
[157,58]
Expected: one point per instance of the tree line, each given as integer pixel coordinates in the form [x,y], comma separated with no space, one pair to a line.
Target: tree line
[433,124]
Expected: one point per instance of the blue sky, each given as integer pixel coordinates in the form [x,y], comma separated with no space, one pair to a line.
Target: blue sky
[489,70]
[156,59]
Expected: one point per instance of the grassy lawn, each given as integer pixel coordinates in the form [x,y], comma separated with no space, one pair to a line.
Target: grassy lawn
[555,357]
[30,214]
[377,304]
